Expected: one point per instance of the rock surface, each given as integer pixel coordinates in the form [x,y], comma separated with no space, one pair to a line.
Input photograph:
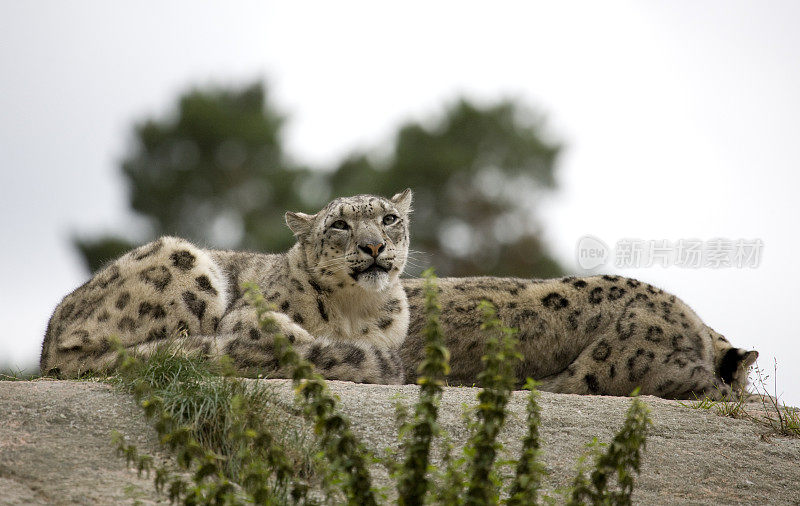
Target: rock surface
[55,445]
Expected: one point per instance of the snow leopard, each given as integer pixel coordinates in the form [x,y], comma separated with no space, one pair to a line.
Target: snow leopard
[604,335]
[336,294]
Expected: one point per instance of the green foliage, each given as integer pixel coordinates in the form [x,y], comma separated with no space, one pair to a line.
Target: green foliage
[498,379]
[782,419]
[454,479]
[530,470]
[95,252]
[215,171]
[341,448]
[622,457]
[477,172]
[733,408]
[218,161]
[17,374]
[218,428]
[222,433]
[412,477]
[777,416]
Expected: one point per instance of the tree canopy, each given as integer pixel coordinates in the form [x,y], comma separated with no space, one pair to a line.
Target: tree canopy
[216,173]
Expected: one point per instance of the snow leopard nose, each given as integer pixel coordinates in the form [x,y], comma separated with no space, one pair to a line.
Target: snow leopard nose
[372,249]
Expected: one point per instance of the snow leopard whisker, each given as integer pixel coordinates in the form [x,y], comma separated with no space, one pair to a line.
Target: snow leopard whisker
[414,263]
[419,251]
[333,261]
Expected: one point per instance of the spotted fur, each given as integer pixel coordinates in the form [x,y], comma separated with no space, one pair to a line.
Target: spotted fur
[594,335]
[336,292]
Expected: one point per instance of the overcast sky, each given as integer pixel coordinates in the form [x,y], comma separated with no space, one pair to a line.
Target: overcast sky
[680,121]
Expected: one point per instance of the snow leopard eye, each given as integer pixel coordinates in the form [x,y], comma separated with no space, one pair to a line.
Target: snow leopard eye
[389,219]
[340,225]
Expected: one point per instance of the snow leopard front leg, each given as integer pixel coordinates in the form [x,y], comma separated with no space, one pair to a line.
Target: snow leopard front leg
[252,350]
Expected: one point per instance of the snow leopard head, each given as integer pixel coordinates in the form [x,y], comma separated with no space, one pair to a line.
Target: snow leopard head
[356,241]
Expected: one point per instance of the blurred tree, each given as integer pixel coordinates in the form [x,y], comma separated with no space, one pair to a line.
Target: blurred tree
[97,251]
[478,174]
[216,173]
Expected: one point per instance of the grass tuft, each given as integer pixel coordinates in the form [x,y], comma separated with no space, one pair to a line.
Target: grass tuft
[732,408]
[783,419]
[18,374]
[217,426]
[777,416]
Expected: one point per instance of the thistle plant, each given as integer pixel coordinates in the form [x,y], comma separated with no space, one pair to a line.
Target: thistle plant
[497,379]
[530,470]
[413,483]
[339,443]
[216,427]
[622,457]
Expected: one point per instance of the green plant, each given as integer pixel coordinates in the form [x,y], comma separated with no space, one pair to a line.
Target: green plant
[341,448]
[412,485]
[622,456]
[780,418]
[452,478]
[734,408]
[783,419]
[17,374]
[497,379]
[530,470]
[209,483]
[219,429]
[699,403]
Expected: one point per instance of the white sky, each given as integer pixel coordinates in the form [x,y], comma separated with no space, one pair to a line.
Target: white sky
[680,121]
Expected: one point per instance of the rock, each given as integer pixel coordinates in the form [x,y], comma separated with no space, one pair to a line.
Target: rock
[55,445]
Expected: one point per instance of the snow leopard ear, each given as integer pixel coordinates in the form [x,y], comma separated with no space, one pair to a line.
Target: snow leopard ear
[402,200]
[749,358]
[299,223]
